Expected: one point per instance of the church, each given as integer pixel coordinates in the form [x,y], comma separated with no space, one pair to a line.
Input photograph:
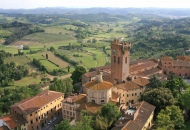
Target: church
[129,79]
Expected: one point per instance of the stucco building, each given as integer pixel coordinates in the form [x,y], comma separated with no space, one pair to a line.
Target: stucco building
[40,109]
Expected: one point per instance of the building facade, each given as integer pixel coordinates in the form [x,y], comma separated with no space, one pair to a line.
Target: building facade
[40,109]
[179,67]
[70,104]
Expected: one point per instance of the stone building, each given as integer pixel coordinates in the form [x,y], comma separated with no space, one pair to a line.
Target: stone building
[40,109]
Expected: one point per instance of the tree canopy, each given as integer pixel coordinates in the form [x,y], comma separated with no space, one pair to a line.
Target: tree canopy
[170,118]
[65,86]
[77,74]
[160,98]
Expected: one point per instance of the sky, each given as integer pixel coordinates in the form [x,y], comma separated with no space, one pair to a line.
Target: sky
[29,4]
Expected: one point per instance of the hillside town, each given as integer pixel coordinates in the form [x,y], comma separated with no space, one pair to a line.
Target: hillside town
[123,84]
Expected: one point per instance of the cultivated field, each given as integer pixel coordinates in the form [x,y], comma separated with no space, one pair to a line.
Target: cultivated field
[55,59]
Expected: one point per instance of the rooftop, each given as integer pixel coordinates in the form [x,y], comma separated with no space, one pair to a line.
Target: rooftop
[79,99]
[13,120]
[167,58]
[129,85]
[32,104]
[144,110]
[142,66]
[95,85]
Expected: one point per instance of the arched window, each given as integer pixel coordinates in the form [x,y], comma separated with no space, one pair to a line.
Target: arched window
[125,59]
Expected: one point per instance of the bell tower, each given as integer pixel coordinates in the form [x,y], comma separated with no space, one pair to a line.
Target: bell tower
[120,57]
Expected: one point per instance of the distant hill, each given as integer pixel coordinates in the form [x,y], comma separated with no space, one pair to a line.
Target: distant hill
[179,12]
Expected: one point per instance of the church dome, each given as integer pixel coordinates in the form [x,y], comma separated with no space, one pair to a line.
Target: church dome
[95,85]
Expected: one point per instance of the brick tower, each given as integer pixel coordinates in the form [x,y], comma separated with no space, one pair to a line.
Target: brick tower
[120,54]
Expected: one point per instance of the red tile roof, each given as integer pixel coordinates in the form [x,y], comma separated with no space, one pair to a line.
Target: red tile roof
[144,111]
[167,58]
[183,58]
[79,99]
[129,85]
[149,72]
[181,63]
[32,104]
[142,66]
[95,85]
[141,81]
[89,106]
[13,120]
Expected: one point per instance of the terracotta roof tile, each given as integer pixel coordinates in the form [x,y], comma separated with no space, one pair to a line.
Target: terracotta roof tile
[142,66]
[13,120]
[183,58]
[167,58]
[141,81]
[149,72]
[94,85]
[89,106]
[32,104]
[129,85]
[144,110]
[181,63]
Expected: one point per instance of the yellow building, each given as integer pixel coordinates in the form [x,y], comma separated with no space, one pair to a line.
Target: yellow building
[130,91]
[137,116]
[40,109]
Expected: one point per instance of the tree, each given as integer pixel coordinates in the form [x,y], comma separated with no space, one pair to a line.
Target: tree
[154,82]
[160,98]
[185,99]
[176,85]
[64,125]
[65,86]
[170,118]
[77,74]
[84,123]
[111,112]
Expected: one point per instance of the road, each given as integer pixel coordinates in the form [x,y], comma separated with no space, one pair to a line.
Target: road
[51,126]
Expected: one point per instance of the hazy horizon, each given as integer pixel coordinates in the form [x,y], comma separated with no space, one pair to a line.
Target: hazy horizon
[31,4]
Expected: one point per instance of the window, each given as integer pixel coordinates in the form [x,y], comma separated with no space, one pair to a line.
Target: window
[135,94]
[132,94]
[123,95]
[118,61]
[102,100]
[93,100]
[125,59]
[36,119]
[31,121]
[114,59]
[37,127]
[127,95]
[30,114]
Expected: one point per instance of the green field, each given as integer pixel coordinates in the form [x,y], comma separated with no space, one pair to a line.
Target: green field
[55,59]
